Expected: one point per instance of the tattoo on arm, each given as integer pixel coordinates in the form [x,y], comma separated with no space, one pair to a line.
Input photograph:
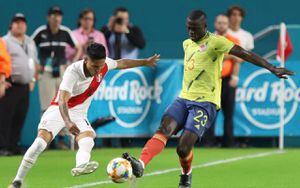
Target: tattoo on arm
[63,105]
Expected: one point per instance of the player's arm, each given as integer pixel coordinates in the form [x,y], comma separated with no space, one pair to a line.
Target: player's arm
[131,63]
[251,57]
[64,97]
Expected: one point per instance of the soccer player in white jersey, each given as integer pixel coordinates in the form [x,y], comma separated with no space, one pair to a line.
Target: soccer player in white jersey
[69,108]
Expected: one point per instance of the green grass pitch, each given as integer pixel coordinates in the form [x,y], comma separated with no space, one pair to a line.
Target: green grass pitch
[243,168]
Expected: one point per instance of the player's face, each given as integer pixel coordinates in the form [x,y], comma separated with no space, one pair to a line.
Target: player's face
[94,66]
[221,24]
[236,18]
[55,20]
[18,28]
[196,28]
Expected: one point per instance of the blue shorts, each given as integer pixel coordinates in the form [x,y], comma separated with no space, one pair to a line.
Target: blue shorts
[196,117]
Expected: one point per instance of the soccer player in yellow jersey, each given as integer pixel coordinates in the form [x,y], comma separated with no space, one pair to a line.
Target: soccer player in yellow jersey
[195,109]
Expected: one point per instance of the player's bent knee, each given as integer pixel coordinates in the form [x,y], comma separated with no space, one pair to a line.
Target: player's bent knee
[45,135]
[183,150]
[168,126]
[85,134]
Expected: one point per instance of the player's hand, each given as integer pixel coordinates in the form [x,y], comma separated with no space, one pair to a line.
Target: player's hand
[151,61]
[233,81]
[281,72]
[73,128]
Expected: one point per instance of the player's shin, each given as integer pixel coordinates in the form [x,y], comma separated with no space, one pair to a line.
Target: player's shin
[186,163]
[153,147]
[30,157]
[83,155]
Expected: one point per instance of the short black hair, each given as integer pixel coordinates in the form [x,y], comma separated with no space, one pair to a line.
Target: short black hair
[120,9]
[196,14]
[96,51]
[238,8]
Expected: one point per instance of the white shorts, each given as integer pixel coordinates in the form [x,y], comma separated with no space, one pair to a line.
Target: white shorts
[53,122]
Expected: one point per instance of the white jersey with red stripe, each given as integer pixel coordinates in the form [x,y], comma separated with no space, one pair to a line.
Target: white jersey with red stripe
[81,88]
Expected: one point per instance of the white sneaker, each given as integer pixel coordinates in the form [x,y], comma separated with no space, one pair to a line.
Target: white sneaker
[85,168]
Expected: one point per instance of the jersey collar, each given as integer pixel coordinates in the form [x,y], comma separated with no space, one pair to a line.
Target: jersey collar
[204,37]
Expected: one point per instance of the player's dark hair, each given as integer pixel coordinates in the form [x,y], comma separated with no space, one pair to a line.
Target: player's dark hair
[120,9]
[96,51]
[85,12]
[238,8]
[196,14]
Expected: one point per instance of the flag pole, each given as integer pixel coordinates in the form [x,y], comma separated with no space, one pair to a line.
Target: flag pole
[281,103]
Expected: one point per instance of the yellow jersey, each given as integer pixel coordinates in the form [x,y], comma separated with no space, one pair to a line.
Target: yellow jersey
[203,60]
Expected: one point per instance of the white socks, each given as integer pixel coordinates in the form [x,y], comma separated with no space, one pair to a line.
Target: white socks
[30,157]
[84,152]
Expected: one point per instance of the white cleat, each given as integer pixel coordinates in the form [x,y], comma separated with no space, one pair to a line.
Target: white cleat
[85,168]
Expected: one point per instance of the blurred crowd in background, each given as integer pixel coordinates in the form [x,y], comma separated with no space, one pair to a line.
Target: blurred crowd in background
[45,54]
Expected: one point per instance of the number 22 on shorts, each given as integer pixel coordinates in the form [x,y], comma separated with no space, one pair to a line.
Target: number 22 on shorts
[200,118]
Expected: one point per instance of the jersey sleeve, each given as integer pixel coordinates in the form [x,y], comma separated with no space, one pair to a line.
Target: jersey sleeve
[185,44]
[222,45]
[111,64]
[69,80]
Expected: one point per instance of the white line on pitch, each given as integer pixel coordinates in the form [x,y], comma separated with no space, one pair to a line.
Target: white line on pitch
[213,163]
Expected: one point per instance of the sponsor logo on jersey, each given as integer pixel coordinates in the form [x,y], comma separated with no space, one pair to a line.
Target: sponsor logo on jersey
[202,47]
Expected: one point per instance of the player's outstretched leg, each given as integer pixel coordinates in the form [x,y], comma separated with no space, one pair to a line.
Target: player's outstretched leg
[153,147]
[31,155]
[185,153]
[85,145]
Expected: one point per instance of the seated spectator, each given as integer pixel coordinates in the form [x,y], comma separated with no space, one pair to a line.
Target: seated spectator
[15,103]
[124,39]
[86,33]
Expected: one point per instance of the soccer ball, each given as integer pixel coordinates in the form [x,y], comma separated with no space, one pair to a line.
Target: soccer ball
[119,170]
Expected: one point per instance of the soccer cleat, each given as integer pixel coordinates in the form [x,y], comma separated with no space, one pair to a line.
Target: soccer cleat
[15,184]
[185,181]
[137,166]
[85,168]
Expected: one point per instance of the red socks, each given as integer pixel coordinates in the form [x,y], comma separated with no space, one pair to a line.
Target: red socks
[153,147]
[186,163]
